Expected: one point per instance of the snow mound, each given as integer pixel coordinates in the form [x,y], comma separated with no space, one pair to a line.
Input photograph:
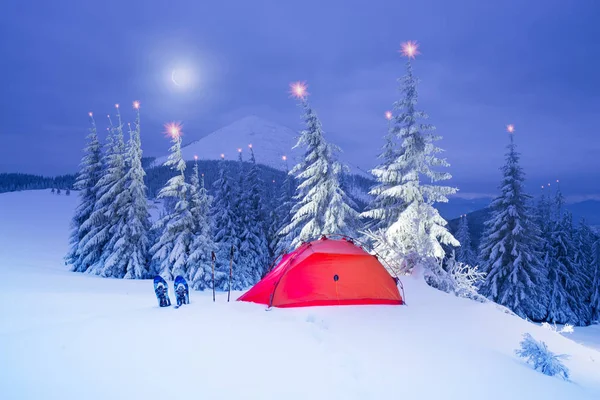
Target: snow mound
[269,140]
[68,336]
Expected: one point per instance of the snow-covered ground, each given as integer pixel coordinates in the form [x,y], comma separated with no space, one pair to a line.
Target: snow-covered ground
[72,336]
[270,140]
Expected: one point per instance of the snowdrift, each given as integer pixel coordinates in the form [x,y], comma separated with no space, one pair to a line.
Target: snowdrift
[71,336]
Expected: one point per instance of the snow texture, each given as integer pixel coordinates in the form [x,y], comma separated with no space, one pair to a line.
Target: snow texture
[74,336]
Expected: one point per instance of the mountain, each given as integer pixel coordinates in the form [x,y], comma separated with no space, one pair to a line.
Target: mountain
[588,209]
[456,206]
[269,140]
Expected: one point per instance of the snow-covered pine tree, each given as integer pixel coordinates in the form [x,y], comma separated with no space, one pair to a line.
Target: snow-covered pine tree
[322,207]
[406,204]
[584,242]
[568,303]
[282,213]
[509,251]
[177,226]
[89,174]
[105,218]
[253,252]
[225,226]
[240,203]
[465,253]
[128,247]
[384,210]
[544,219]
[595,303]
[199,262]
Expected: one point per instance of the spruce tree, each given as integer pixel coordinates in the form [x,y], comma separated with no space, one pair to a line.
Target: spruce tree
[253,257]
[196,189]
[384,209]
[200,262]
[509,251]
[172,249]
[403,204]
[87,179]
[584,243]
[465,253]
[105,217]
[226,228]
[128,247]
[544,219]
[322,207]
[595,300]
[569,299]
[282,213]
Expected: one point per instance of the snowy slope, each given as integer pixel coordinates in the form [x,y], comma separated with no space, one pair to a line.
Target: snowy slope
[73,336]
[270,141]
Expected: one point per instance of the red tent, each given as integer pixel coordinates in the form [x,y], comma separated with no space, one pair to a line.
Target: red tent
[326,272]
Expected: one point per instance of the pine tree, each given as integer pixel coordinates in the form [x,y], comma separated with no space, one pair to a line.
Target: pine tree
[384,209]
[253,251]
[199,262]
[87,179]
[322,207]
[105,217]
[129,244]
[404,205]
[595,303]
[282,214]
[465,253]
[568,303]
[172,249]
[544,219]
[583,258]
[509,250]
[225,223]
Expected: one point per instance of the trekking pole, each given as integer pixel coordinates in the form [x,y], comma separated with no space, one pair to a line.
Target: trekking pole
[230,273]
[213,274]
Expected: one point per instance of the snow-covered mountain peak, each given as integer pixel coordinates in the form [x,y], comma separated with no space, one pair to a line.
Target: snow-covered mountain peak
[270,141]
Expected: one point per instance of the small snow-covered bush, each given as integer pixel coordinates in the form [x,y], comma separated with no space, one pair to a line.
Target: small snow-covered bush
[543,360]
[457,278]
[567,328]
[465,279]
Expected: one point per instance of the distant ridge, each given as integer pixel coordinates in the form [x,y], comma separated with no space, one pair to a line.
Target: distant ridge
[270,141]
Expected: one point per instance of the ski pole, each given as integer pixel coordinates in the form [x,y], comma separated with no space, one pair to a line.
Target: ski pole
[213,274]
[230,273]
